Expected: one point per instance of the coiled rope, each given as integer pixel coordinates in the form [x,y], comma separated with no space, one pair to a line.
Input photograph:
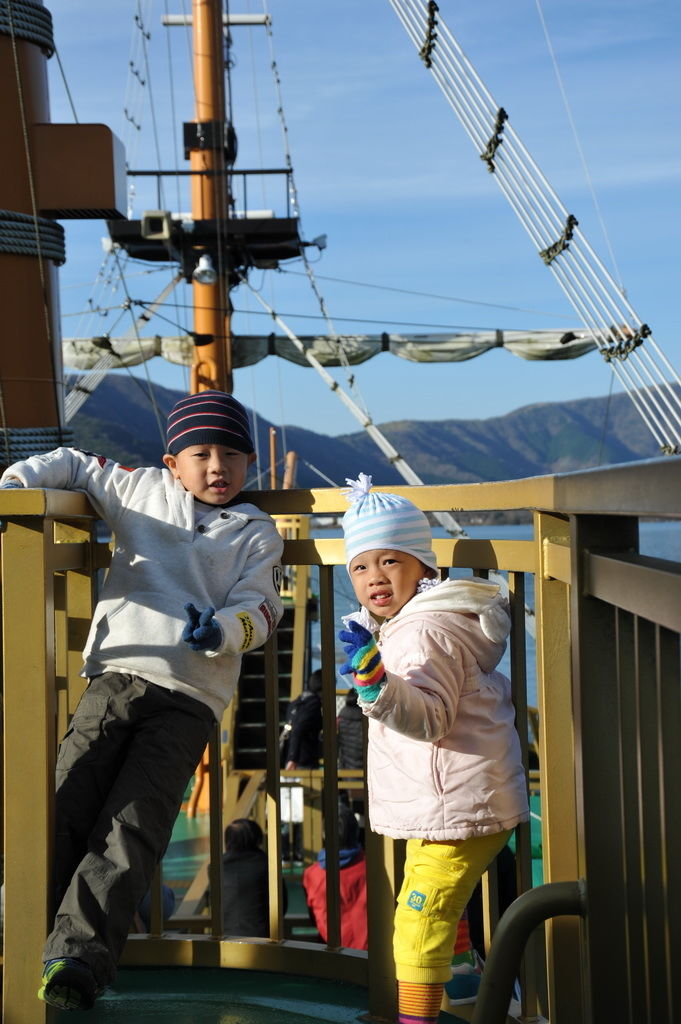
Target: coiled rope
[27,19]
[26,235]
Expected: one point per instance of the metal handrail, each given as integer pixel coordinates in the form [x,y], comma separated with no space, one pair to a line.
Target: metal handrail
[555,899]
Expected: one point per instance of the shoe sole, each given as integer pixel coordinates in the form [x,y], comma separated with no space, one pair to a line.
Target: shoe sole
[64,997]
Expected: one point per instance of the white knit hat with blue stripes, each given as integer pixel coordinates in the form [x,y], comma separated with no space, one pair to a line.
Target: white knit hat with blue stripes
[382,520]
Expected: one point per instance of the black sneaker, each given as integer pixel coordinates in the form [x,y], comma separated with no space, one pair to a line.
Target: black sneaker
[68,984]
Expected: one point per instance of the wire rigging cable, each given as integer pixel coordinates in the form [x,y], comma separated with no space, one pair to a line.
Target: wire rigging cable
[430,295]
[85,385]
[578,144]
[620,335]
[295,206]
[66,85]
[390,452]
[173,113]
[445,519]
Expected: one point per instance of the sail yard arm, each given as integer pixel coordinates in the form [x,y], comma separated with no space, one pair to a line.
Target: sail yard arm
[391,453]
[624,341]
[445,519]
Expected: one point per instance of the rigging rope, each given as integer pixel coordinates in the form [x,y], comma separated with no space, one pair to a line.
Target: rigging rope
[173,114]
[578,144]
[431,295]
[85,385]
[445,519]
[295,205]
[66,85]
[586,282]
[134,96]
[390,452]
[145,36]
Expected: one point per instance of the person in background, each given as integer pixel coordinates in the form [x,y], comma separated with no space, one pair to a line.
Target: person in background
[352,883]
[350,739]
[350,732]
[245,881]
[444,768]
[304,716]
[192,585]
[300,748]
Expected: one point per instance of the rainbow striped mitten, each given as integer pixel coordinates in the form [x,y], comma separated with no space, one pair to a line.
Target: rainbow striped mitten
[364,661]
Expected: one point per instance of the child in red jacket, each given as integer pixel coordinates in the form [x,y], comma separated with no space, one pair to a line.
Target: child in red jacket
[353,885]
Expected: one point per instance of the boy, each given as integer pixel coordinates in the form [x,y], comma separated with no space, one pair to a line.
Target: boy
[162,665]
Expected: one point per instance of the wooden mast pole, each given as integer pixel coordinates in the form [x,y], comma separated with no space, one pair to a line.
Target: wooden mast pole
[212,367]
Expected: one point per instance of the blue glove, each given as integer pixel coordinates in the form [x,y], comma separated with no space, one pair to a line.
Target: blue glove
[202,632]
[9,484]
[364,661]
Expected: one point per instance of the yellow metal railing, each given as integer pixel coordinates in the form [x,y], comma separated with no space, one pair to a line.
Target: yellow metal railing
[609,712]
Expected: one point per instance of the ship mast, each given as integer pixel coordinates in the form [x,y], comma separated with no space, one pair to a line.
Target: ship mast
[212,366]
[219,245]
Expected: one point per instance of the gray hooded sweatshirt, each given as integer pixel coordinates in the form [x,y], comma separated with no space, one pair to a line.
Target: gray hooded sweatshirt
[163,558]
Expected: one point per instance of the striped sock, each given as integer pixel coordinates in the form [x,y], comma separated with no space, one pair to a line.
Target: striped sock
[419,1004]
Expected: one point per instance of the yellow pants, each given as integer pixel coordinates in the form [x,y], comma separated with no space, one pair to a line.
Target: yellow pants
[439,879]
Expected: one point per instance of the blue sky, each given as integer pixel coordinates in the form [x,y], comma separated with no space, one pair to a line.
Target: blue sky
[385,170]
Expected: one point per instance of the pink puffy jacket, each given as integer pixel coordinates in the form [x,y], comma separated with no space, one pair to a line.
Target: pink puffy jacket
[444,755]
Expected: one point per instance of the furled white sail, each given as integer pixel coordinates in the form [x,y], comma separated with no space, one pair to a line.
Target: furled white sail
[86,353]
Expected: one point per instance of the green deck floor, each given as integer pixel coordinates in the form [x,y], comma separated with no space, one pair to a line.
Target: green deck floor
[211,996]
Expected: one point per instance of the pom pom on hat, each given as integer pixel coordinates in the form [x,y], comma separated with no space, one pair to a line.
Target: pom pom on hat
[382,520]
[209,417]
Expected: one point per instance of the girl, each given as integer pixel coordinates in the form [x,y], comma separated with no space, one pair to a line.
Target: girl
[444,769]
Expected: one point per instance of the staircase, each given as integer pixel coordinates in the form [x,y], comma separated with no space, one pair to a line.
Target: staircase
[249,728]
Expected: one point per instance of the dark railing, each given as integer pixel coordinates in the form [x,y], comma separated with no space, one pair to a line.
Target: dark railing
[229,174]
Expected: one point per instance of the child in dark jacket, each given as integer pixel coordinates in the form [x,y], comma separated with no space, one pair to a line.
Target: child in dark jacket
[245,881]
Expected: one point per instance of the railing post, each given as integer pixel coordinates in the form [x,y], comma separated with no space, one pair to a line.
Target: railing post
[668,673]
[272,789]
[385,871]
[29,727]
[557,762]
[601,772]
[532,970]
[79,602]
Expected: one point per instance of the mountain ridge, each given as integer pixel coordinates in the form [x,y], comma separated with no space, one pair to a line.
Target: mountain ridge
[119,420]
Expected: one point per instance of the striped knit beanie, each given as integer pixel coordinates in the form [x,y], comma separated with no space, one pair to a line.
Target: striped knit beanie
[381,520]
[210,417]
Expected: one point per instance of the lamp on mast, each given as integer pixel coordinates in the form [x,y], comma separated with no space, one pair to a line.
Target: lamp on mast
[212,367]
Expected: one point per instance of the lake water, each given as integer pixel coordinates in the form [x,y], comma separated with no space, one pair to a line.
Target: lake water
[659,539]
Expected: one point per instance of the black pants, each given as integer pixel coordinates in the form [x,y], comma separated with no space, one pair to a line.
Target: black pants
[122,771]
